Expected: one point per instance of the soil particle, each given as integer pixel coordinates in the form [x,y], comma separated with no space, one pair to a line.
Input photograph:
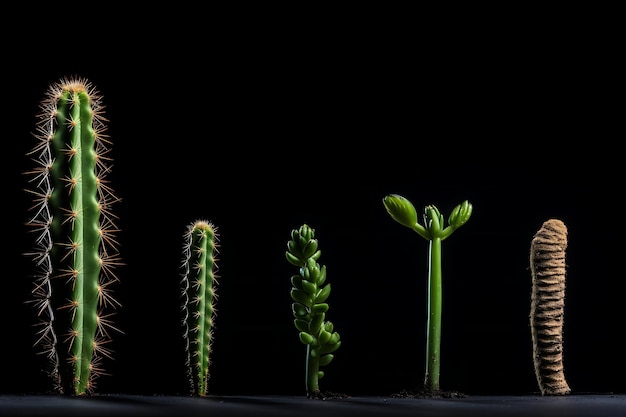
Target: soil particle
[424,392]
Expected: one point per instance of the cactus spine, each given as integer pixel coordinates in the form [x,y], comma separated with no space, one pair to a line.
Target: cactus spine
[199,283]
[547,266]
[309,292]
[75,249]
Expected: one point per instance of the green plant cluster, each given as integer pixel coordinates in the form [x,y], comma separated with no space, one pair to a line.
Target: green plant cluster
[75,254]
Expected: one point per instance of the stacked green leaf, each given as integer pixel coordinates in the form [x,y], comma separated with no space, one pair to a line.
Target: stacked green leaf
[309,293]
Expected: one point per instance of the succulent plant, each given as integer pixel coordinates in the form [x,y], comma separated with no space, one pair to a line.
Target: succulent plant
[75,249]
[547,308]
[435,231]
[309,293]
[199,284]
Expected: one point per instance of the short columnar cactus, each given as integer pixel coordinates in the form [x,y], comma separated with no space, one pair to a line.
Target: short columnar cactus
[547,307]
[435,231]
[309,293]
[199,284]
[75,246]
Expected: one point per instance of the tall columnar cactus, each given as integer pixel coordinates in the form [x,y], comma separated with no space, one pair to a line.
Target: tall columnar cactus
[547,307]
[75,246]
[309,292]
[199,284]
[435,231]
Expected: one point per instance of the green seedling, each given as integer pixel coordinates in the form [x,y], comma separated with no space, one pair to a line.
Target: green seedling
[199,284]
[309,293]
[433,230]
[75,247]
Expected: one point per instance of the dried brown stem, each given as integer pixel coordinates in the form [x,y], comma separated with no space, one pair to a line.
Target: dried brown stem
[547,265]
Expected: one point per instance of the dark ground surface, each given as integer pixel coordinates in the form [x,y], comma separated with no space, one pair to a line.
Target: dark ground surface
[606,405]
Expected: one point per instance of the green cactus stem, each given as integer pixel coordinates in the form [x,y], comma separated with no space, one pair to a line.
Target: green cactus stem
[199,284]
[75,247]
[547,307]
[309,293]
[435,231]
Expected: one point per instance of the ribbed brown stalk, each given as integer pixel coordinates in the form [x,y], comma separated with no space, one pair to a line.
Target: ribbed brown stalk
[547,265]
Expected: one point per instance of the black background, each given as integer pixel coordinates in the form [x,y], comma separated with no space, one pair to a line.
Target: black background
[261,130]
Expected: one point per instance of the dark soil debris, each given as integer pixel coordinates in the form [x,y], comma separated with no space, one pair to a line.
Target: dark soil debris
[327,395]
[428,393]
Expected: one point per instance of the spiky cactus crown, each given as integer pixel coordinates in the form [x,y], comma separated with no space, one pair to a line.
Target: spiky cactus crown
[75,250]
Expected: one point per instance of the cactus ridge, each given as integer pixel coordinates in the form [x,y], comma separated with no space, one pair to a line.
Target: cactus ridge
[199,282]
[75,249]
